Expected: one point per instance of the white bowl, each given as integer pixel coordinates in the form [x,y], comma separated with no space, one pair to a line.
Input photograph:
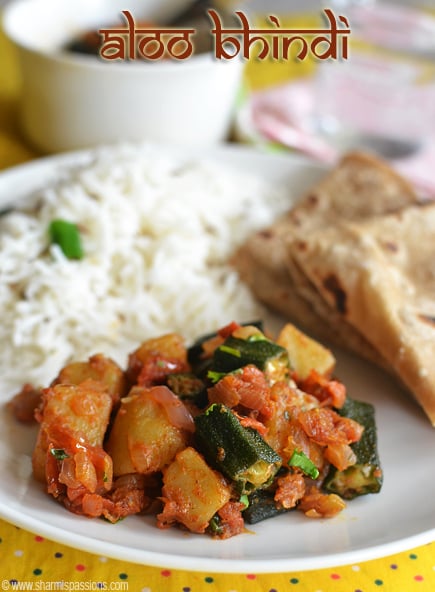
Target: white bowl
[72,101]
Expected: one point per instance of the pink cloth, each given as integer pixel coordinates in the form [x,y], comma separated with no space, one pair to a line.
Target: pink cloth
[285,114]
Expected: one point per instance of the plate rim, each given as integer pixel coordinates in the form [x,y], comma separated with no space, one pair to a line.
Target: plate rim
[41,168]
[216,565]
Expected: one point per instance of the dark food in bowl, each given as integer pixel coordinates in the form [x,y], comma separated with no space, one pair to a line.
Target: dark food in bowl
[195,16]
[90,42]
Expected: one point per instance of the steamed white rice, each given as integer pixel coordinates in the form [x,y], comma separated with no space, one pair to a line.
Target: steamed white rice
[157,233]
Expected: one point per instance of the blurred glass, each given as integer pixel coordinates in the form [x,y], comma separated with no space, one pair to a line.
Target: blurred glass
[383,96]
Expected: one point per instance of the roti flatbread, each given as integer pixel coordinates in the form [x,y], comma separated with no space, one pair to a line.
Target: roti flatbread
[359,187]
[378,276]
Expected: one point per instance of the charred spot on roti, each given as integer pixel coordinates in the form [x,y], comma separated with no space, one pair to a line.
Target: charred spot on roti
[267,233]
[313,199]
[429,319]
[390,246]
[332,285]
[301,245]
[294,219]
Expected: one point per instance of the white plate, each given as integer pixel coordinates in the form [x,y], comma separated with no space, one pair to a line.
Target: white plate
[402,516]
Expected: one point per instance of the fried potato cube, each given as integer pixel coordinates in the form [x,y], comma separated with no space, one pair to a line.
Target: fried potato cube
[192,492]
[142,438]
[79,412]
[99,368]
[305,353]
[157,357]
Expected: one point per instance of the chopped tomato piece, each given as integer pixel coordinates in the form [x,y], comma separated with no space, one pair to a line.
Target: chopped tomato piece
[156,368]
[248,388]
[328,392]
[290,490]
[231,520]
[325,427]
[251,422]
[228,329]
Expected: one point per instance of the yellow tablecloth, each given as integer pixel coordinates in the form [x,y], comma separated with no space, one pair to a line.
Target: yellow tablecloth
[29,561]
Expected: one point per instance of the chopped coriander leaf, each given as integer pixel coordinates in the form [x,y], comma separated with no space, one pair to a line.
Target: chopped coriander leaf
[215,525]
[257,337]
[230,350]
[244,500]
[215,376]
[301,461]
[58,453]
[67,236]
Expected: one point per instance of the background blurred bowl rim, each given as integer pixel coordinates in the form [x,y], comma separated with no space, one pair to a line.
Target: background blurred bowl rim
[58,55]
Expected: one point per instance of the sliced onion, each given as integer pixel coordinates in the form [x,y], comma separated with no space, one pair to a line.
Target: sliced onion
[178,414]
[85,470]
[67,474]
[92,505]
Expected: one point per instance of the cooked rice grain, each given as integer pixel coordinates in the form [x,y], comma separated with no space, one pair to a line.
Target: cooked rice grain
[157,233]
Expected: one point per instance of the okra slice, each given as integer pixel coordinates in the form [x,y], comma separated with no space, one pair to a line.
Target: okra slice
[188,387]
[365,476]
[239,453]
[199,365]
[262,506]
[267,355]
